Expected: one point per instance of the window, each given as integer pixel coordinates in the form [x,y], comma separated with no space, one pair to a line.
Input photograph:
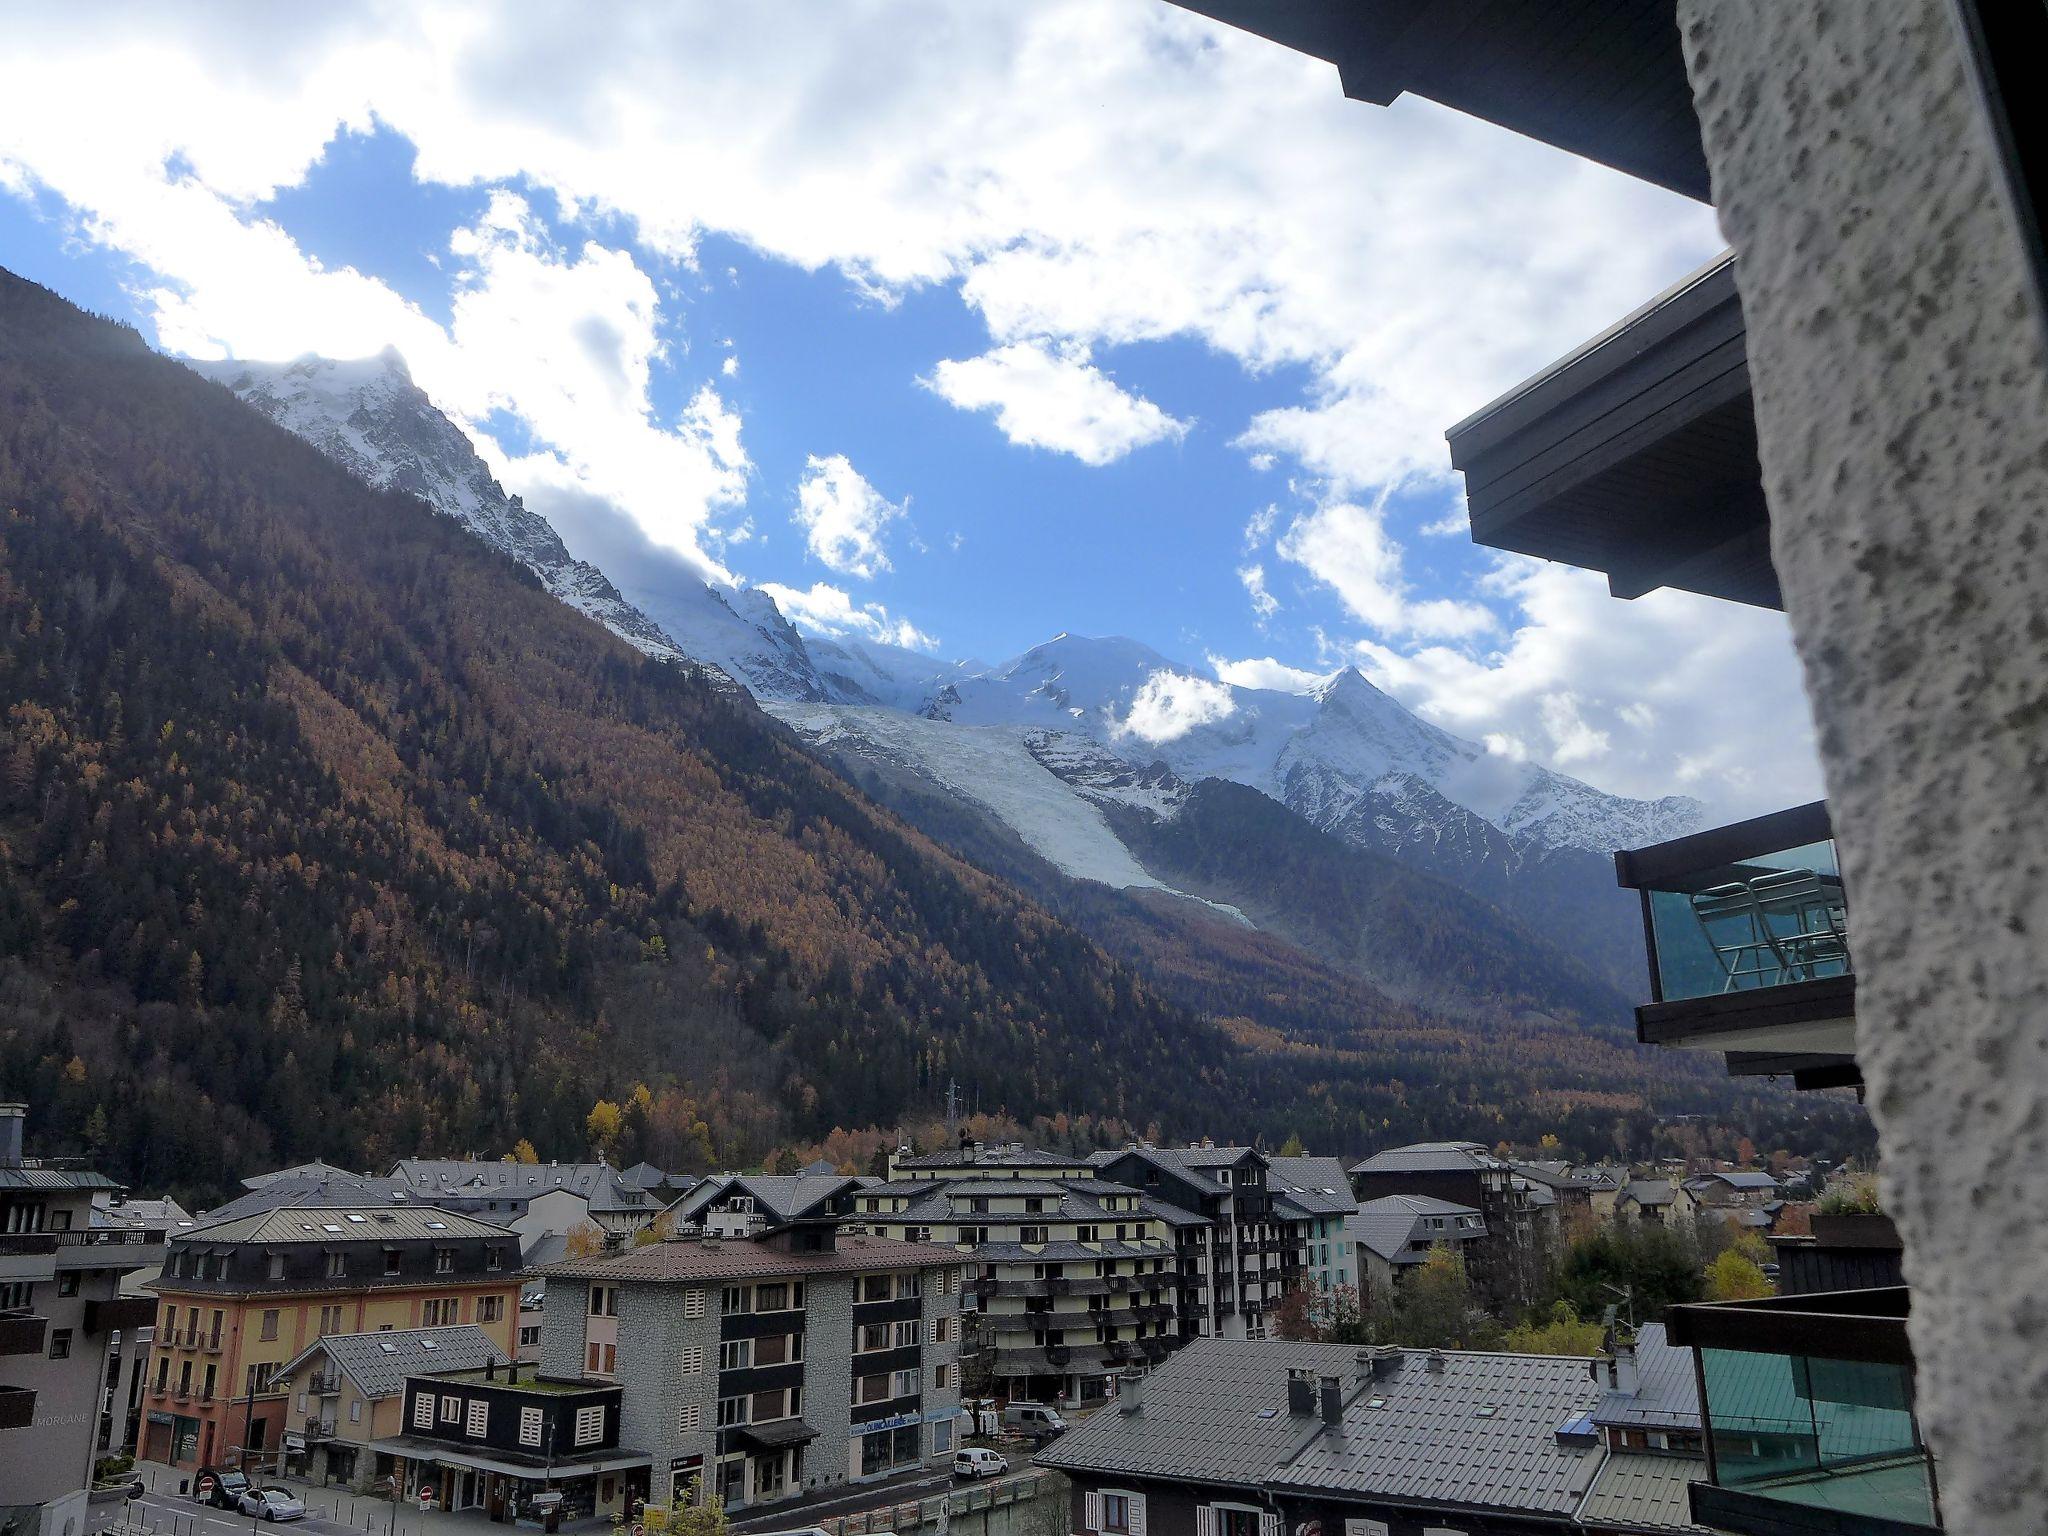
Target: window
[602,1359]
[778,1349]
[1116,1512]
[423,1411]
[275,1268]
[269,1329]
[390,1261]
[873,1336]
[910,1285]
[771,1298]
[909,1334]
[770,1405]
[904,1383]
[479,1419]
[330,1321]
[691,1360]
[874,1287]
[355,1410]
[1234,1520]
[444,1261]
[736,1299]
[731,1411]
[494,1257]
[60,1343]
[529,1336]
[489,1309]
[451,1410]
[942,1330]
[337,1264]
[942,1437]
[67,1283]
[1032,1234]
[871,1389]
[689,1419]
[1223,1178]
[974,1235]
[735,1354]
[942,1377]
[441,1311]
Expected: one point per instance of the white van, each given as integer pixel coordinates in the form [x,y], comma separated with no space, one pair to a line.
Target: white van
[1034,1419]
[974,1461]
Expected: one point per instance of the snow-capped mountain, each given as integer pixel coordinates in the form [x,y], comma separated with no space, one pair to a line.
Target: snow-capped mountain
[1061,744]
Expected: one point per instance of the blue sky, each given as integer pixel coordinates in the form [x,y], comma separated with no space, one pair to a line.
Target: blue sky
[946,323]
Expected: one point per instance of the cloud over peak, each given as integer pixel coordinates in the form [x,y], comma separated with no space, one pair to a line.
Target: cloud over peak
[1044,397]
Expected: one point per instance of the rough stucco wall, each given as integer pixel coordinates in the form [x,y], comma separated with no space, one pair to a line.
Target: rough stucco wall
[1902,408]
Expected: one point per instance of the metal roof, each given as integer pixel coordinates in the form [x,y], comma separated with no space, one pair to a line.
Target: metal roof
[1477,1430]
[995,1157]
[1737,1179]
[1430,1157]
[1643,1491]
[1319,1185]
[1649,1192]
[1667,1391]
[1391,1225]
[25,1177]
[602,1186]
[303,1188]
[377,1224]
[781,1197]
[378,1363]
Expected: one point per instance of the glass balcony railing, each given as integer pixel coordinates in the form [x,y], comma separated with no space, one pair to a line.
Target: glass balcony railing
[1808,1412]
[1743,908]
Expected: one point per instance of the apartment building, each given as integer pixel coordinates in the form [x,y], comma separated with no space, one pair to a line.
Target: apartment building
[1395,1234]
[1239,1256]
[1313,1201]
[60,1312]
[345,1391]
[1071,1280]
[239,1298]
[796,1359]
[539,1201]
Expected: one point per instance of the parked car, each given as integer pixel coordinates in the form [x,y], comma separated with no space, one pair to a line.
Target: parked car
[974,1461]
[1037,1419]
[272,1504]
[219,1487]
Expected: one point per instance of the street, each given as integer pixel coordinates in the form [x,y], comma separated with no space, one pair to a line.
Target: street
[852,1501]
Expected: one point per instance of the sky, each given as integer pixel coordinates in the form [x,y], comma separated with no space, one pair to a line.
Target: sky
[950,323]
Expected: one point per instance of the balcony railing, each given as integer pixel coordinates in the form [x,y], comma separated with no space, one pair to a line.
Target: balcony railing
[1748,930]
[1808,1412]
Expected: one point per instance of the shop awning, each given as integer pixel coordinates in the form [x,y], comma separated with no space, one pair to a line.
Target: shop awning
[776,1436]
[533,1469]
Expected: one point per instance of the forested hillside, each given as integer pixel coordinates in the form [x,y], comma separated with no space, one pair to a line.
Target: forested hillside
[325,830]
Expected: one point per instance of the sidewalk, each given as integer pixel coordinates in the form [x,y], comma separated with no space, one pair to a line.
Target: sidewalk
[332,1510]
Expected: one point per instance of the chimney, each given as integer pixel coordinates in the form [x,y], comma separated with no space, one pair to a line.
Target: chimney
[11,1118]
[1301,1393]
[491,1369]
[1332,1395]
[1436,1362]
[1621,1370]
[1130,1397]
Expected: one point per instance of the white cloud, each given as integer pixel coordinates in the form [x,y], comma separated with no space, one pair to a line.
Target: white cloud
[1168,705]
[1264,603]
[829,610]
[730,367]
[843,517]
[1259,526]
[1043,398]
[1347,548]
[1264,672]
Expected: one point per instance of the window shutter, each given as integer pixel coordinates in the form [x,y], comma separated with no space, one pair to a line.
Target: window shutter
[479,1417]
[1205,1520]
[693,1359]
[1137,1514]
[1269,1525]
[693,1304]
[690,1419]
[1091,1511]
[423,1411]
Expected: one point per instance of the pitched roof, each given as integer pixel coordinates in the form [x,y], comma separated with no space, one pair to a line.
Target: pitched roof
[1430,1157]
[378,1363]
[1318,1185]
[1736,1179]
[1481,1431]
[1667,1392]
[1649,1191]
[994,1157]
[316,1169]
[600,1184]
[737,1258]
[1638,1490]
[379,1224]
[778,1196]
[1391,1225]
[305,1189]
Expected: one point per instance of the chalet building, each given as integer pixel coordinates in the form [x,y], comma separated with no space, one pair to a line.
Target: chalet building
[542,1202]
[1731,1190]
[345,1391]
[1071,1280]
[1394,1235]
[62,1316]
[1261,1437]
[1649,1423]
[735,1204]
[797,1359]
[1661,1202]
[239,1298]
[1240,1257]
[515,1445]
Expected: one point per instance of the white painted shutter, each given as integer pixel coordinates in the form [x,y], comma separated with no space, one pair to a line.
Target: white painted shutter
[693,1360]
[1269,1525]
[479,1418]
[1205,1520]
[1091,1511]
[693,1304]
[423,1411]
[1137,1514]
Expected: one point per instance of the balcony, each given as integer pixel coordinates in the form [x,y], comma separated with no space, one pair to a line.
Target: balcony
[325,1384]
[1808,1410]
[23,1333]
[17,1407]
[1749,946]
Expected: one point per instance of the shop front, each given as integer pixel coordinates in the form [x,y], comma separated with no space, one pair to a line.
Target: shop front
[507,1488]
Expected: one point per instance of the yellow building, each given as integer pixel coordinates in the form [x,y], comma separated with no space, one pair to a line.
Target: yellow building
[239,1298]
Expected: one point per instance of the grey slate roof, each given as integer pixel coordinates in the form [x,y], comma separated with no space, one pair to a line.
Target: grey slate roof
[329,1225]
[1642,1490]
[298,1187]
[779,1197]
[1391,1225]
[999,1157]
[600,1184]
[1737,1179]
[1318,1185]
[1649,1191]
[1667,1392]
[378,1363]
[1429,1157]
[1479,1433]
[316,1169]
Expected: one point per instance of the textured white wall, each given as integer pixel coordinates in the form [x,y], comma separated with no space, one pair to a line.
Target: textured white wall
[1902,406]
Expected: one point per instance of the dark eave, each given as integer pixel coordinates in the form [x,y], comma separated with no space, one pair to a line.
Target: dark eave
[1601,79]
[1833,1325]
[1724,846]
[1635,455]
